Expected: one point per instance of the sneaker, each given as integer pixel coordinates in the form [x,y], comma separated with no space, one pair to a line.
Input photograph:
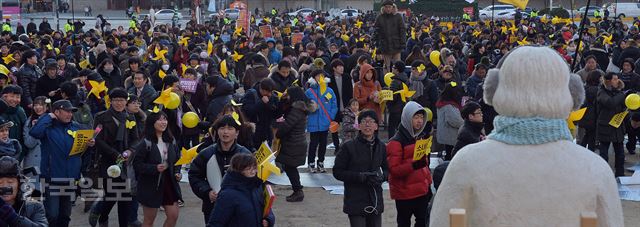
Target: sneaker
[321,167]
[331,146]
[632,152]
[297,196]
[180,203]
[136,223]
[312,167]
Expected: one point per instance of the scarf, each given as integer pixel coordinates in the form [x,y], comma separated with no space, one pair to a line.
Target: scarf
[121,136]
[417,85]
[529,131]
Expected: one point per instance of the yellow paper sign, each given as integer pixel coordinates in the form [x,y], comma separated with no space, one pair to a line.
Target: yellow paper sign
[265,167]
[386,95]
[80,141]
[422,148]
[617,119]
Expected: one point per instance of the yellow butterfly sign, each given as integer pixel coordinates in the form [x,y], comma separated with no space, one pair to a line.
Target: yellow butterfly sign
[422,148]
[9,58]
[575,116]
[236,57]
[617,119]
[80,140]
[265,167]
[130,124]
[187,156]
[160,54]
[97,88]
[405,92]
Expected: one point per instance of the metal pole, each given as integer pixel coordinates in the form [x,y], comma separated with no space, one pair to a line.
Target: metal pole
[493,10]
[57,15]
[582,23]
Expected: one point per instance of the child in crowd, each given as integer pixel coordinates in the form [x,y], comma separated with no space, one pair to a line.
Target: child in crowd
[349,121]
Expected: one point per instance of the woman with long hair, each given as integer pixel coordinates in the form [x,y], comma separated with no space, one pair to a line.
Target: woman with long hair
[291,130]
[156,172]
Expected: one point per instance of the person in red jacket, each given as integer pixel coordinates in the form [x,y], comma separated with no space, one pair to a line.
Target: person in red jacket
[409,180]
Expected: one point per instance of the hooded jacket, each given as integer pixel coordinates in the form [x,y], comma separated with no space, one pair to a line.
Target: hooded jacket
[240,202]
[221,96]
[318,121]
[363,89]
[405,182]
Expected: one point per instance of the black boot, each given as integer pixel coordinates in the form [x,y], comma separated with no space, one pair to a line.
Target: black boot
[297,196]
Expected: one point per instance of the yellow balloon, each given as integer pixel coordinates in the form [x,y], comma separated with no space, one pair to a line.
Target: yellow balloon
[174,101]
[632,101]
[388,78]
[434,57]
[429,114]
[190,119]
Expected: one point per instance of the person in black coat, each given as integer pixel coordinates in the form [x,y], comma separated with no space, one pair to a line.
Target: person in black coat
[396,105]
[259,104]
[283,77]
[156,172]
[31,27]
[45,26]
[115,142]
[220,92]
[632,51]
[27,76]
[242,198]
[610,102]
[588,121]
[471,130]
[49,84]
[291,130]
[362,166]
[111,74]
[65,70]
[223,149]
[344,93]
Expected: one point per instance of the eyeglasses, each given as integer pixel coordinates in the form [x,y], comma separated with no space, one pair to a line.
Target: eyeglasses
[476,113]
[368,122]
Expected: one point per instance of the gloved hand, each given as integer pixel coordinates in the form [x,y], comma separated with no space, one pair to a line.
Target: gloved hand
[364,176]
[420,163]
[374,180]
[7,214]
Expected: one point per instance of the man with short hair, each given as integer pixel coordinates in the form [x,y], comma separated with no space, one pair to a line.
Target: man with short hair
[11,95]
[362,166]
[260,106]
[59,169]
[471,130]
[49,84]
[282,77]
[115,142]
[390,34]
[141,88]
[27,76]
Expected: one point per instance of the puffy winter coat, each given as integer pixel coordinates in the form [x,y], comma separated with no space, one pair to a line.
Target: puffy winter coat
[292,134]
[610,102]
[357,156]
[240,203]
[318,121]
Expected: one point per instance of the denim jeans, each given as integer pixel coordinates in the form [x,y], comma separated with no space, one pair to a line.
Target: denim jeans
[57,208]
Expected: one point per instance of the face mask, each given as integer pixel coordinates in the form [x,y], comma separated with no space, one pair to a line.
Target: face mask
[108,69]
[165,67]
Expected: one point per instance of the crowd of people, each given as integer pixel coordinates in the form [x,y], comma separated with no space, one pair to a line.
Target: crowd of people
[308,76]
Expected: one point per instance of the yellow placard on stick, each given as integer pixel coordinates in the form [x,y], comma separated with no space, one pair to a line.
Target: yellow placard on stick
[617,119]
[265,167]
[386,95]
[81,138]
[422,148]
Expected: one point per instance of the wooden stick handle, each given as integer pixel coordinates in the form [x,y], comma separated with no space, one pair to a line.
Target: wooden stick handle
[457,218]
